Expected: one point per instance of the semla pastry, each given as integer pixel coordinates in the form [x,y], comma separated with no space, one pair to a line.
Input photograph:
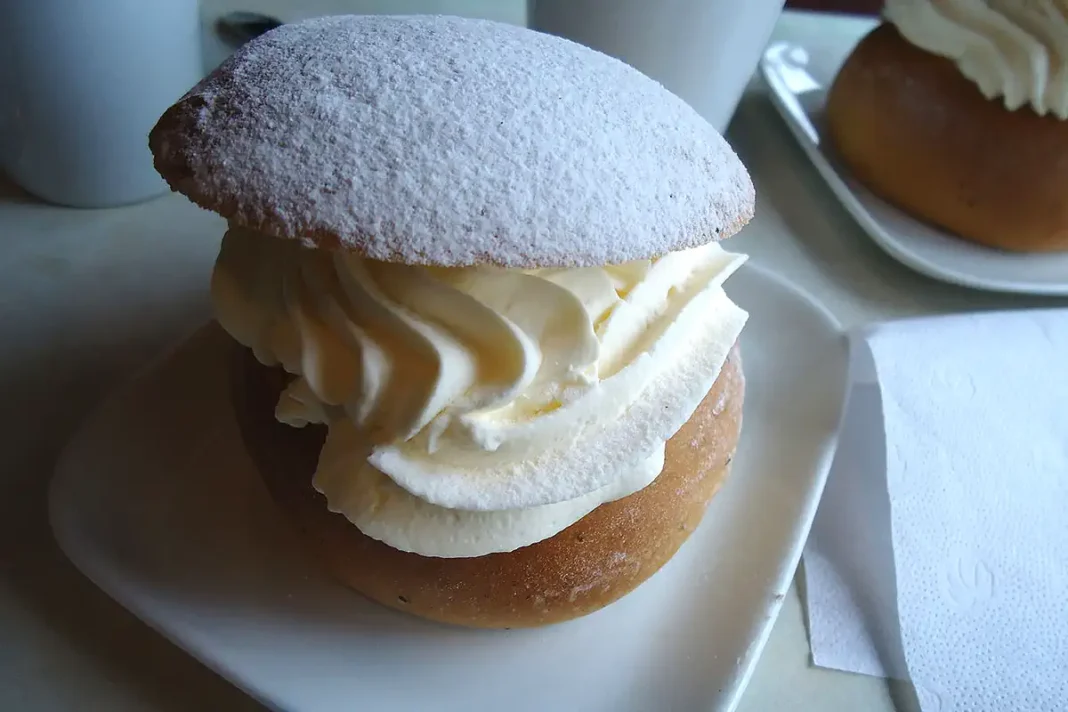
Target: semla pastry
[956,111]
[487,365]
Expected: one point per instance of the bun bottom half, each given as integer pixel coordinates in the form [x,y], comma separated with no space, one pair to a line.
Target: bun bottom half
[919,134]
[592,563]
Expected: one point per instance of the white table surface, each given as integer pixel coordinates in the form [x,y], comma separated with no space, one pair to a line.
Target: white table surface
[86,296]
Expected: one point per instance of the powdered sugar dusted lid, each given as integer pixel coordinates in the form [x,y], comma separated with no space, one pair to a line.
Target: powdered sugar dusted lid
[450,141]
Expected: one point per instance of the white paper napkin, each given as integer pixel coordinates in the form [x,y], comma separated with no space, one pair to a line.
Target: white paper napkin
[940,550]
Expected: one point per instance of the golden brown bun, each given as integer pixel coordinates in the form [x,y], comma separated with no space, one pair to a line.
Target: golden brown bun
[595,561]
[919,134]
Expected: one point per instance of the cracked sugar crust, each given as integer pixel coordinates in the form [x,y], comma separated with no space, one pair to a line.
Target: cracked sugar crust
[447,141]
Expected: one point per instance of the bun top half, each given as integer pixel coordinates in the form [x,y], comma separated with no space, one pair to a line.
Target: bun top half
[444,141]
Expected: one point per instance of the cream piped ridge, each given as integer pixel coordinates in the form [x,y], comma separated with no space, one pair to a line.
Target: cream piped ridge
[474,410]
[1013,49]
[383,510]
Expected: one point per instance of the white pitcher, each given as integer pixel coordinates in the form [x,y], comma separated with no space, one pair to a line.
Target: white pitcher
[81,84]
[702,50]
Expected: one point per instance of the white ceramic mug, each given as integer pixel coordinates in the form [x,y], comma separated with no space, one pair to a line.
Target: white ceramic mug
[81,84]
[704,51]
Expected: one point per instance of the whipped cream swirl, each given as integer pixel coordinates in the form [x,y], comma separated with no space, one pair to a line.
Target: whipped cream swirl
[474,410]
[1013,49]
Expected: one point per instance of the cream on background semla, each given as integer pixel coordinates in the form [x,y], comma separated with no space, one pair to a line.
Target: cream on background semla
[956,114]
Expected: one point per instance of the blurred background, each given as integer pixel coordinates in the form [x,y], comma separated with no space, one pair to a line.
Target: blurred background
[864,7]
[504,10]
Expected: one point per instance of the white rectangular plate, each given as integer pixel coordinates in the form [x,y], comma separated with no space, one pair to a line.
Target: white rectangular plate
[156,501]
[798,78]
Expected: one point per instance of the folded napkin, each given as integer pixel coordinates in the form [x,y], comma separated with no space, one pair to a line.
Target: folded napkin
[940,550]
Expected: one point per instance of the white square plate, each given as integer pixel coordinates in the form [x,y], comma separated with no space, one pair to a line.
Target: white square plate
[798,79]
[156,501]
